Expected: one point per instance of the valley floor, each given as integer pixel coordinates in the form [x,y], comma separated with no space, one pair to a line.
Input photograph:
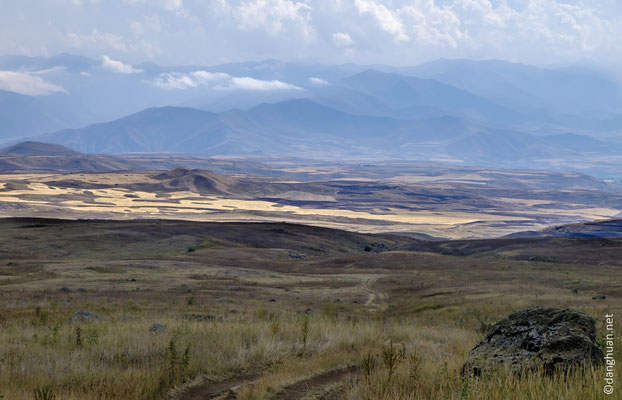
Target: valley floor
[440,201]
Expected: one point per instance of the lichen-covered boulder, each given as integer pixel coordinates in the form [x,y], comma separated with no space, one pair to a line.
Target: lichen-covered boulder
[545,339]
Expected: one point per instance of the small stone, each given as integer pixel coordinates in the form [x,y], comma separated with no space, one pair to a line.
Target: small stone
[157,328]
[85,316]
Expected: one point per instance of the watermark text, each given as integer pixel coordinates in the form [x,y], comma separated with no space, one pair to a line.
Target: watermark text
[610,362]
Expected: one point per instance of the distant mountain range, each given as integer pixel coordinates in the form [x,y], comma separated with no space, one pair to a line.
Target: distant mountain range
[304,127]
[484,112]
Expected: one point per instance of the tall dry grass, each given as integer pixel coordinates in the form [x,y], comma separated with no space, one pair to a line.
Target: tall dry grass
[401,358]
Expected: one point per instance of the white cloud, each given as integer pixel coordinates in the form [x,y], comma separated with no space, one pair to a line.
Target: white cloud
[216,80]
[342,39]
[388,20]
[273,16]
[118,66]
[174,80]
[318,81]
[110,42]
[172,5]
[97,40]
[178,80]
[27,83]
[247,83]
[168,5]
[205,77]
[431,25]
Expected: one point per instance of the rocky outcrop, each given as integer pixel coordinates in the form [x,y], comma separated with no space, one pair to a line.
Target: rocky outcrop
[545,339]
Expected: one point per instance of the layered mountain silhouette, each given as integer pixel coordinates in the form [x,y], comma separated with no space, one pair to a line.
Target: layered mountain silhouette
[484,112]
[304,127]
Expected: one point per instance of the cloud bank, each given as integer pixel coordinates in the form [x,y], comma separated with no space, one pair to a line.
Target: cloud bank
[401,32]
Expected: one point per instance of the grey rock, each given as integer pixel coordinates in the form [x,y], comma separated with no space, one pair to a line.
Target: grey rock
[545,339]
[157,328]
[201,317]
[293,254]
[85,316]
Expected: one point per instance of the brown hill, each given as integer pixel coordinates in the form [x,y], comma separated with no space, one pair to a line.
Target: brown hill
[601,229]
[30,148]
[196,180]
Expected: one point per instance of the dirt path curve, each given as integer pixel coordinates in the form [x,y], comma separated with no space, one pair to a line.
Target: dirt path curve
[217,390]
[374,297]
[299,390]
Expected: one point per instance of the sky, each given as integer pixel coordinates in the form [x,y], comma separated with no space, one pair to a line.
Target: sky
[396,32]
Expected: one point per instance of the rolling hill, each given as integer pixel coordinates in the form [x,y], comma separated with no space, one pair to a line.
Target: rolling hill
[30,148]
[37,156]
[597,229]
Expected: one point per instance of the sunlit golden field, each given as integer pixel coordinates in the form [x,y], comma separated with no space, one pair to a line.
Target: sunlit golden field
[136,195]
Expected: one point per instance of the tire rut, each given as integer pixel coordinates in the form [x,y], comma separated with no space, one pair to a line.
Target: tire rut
[298,390]
[223,389]
[375,297]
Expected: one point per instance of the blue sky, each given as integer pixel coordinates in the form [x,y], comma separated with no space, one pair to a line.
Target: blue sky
[398,32]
